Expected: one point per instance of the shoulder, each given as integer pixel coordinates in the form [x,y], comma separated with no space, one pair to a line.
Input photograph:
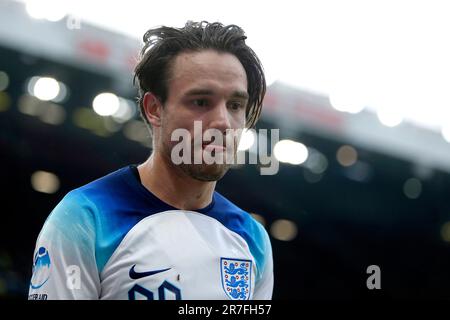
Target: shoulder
[96,197]
[108,187]
[97,215]
[242,222]
[235,217]
[81,204]
[71,220]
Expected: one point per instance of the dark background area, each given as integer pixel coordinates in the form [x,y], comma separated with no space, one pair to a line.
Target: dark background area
[343,225]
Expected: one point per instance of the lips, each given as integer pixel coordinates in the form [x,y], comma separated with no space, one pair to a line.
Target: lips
[213,147]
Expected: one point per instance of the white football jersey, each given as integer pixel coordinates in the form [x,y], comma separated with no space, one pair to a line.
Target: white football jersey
[114,239]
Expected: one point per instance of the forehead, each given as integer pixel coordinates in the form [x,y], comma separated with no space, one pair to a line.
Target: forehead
[209,69]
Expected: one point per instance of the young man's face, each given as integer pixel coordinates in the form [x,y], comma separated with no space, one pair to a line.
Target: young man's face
[210,87]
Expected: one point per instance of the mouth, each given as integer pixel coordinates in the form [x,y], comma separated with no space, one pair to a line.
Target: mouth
[213,147]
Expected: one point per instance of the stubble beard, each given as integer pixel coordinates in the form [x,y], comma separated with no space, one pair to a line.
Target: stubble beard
[205,172]
[201,172]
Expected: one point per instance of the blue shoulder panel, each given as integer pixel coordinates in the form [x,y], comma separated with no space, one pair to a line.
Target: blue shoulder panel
[114,204]
[241,222]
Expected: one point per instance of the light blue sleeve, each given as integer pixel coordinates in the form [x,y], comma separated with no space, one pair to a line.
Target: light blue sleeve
[265,281]
[64,264]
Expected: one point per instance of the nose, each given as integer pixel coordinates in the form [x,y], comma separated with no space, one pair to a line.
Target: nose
[220,118]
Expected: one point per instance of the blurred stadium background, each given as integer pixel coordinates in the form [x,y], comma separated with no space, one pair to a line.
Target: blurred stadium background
[359,91]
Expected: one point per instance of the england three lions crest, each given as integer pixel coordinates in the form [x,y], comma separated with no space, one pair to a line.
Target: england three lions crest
[236,278]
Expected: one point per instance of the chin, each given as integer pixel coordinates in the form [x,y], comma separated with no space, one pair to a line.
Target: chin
[205,172]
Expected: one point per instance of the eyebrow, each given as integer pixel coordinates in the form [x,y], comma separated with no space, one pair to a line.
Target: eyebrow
[198,92]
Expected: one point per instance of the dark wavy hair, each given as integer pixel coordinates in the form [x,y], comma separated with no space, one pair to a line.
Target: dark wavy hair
[163,44]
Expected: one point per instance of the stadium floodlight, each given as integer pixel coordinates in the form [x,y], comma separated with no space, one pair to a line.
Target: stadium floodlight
[44,88]
[289,151]
[106,104]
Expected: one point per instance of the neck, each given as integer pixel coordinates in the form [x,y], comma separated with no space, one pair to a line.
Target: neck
[173,186]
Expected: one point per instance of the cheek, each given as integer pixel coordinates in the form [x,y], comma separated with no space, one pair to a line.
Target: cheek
[171,123]
[169,120]
[167,127]
[238,120]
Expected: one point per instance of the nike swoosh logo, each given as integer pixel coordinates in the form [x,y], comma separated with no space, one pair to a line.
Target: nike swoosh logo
[139,275]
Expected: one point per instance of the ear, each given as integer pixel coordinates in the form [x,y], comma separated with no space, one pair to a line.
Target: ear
[152,108]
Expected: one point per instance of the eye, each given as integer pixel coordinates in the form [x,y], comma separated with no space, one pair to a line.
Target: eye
[200,102]
[236,105]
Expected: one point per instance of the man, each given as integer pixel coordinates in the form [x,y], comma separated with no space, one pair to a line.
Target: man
[159,230]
